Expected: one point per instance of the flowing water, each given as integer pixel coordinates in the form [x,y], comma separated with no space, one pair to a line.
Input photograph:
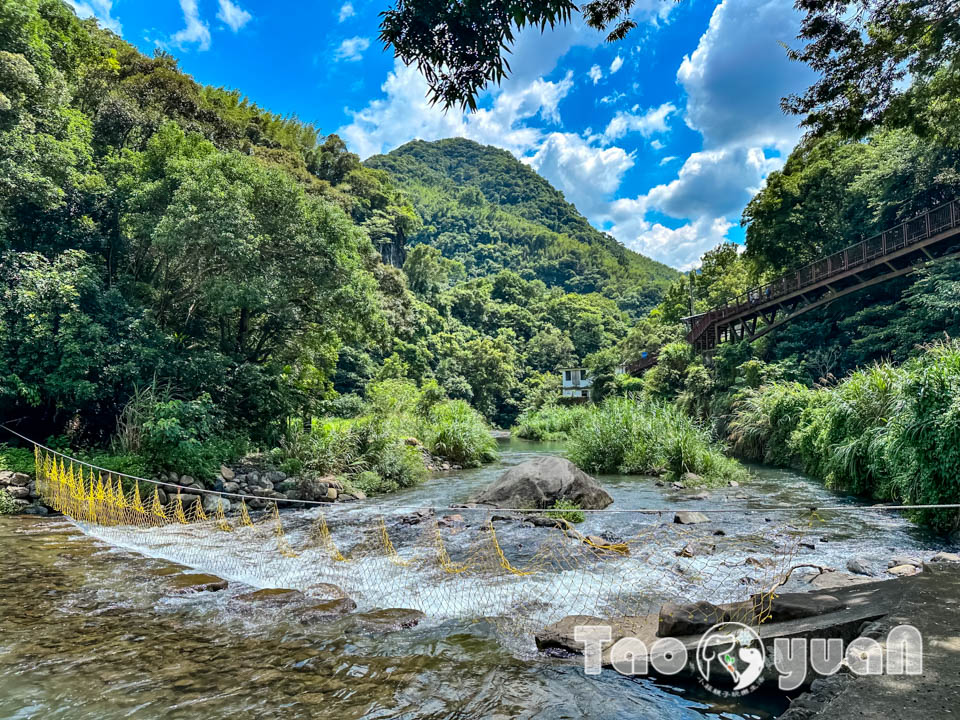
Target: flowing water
[91,631]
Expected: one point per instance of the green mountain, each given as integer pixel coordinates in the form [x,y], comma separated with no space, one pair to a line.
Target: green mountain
[484,208]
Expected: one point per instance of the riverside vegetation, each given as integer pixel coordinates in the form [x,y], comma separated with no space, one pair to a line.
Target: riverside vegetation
[446,271]
[188,277]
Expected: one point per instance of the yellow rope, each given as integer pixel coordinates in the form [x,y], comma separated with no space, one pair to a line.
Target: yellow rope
[504,563]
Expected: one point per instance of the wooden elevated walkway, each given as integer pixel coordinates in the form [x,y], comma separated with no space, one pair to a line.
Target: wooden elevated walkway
[900,250]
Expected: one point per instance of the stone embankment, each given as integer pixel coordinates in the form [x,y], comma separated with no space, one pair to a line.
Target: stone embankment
[22,490]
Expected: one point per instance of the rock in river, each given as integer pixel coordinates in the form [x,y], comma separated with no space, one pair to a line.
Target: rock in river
[191,583]
[689,517]
[539,483]
[389,620]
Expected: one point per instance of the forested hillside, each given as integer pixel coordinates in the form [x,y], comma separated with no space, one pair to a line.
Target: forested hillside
[185,272]
[484,208]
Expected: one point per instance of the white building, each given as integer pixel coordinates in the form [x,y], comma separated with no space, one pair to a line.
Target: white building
[576,382]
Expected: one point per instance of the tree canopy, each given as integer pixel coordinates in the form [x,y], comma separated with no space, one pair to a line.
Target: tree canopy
[460,47]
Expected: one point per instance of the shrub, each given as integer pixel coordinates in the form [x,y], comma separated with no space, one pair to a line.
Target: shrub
[649,438]
[887,432]
[566,510]
[185,436]
[350,405]
[551,423]
[7,505]
[765,419]
[455,431]
[122,462]
[16,459]
[369,482]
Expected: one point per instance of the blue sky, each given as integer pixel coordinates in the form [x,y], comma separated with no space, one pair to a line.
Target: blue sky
[659,139]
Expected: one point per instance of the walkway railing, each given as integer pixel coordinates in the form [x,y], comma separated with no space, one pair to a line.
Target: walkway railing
[935,221]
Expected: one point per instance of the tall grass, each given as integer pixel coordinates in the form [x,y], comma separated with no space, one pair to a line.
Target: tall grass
[888,432]
[379,450]
[455,431]
[639,437]
[551,422]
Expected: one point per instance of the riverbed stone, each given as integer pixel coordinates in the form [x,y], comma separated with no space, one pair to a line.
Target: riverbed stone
[226,473]
[696,549]
[941,557]
[832,579]
[18,492]
[326,610]
[690,479]
[231,487]
[690,517]
[448,520]
[196,582]
[390,619]
[539,483]
[313,488]
[904,570]
[904,560]
[678,620]
[211,502]
[272,597]
[860,566]
[561,634]
[793,606]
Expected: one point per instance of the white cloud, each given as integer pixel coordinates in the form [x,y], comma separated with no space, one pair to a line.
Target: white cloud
[233,15]
[733,81]
[679,247]
[595,74]
[196,30]
[351,49]
[585,173]
[346,11]
[650,122]
[100,9]
[735,78]
[712,183]
[405,114]
[616,64]
[667,160]
[656,144]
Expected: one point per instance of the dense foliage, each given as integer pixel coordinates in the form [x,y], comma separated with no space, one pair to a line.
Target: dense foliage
[484,208]
[864,50]
[890,432]
[156,233]
[459,47]
[639,437]
[381,448]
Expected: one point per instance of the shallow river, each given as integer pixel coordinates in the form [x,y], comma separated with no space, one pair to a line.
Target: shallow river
[89,631]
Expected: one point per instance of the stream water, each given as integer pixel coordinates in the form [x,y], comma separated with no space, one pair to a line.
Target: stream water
[92,631]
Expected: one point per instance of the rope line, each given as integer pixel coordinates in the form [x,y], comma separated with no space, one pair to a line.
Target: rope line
[478,507]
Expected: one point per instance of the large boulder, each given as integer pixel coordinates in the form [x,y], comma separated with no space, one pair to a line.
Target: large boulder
[539,483]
